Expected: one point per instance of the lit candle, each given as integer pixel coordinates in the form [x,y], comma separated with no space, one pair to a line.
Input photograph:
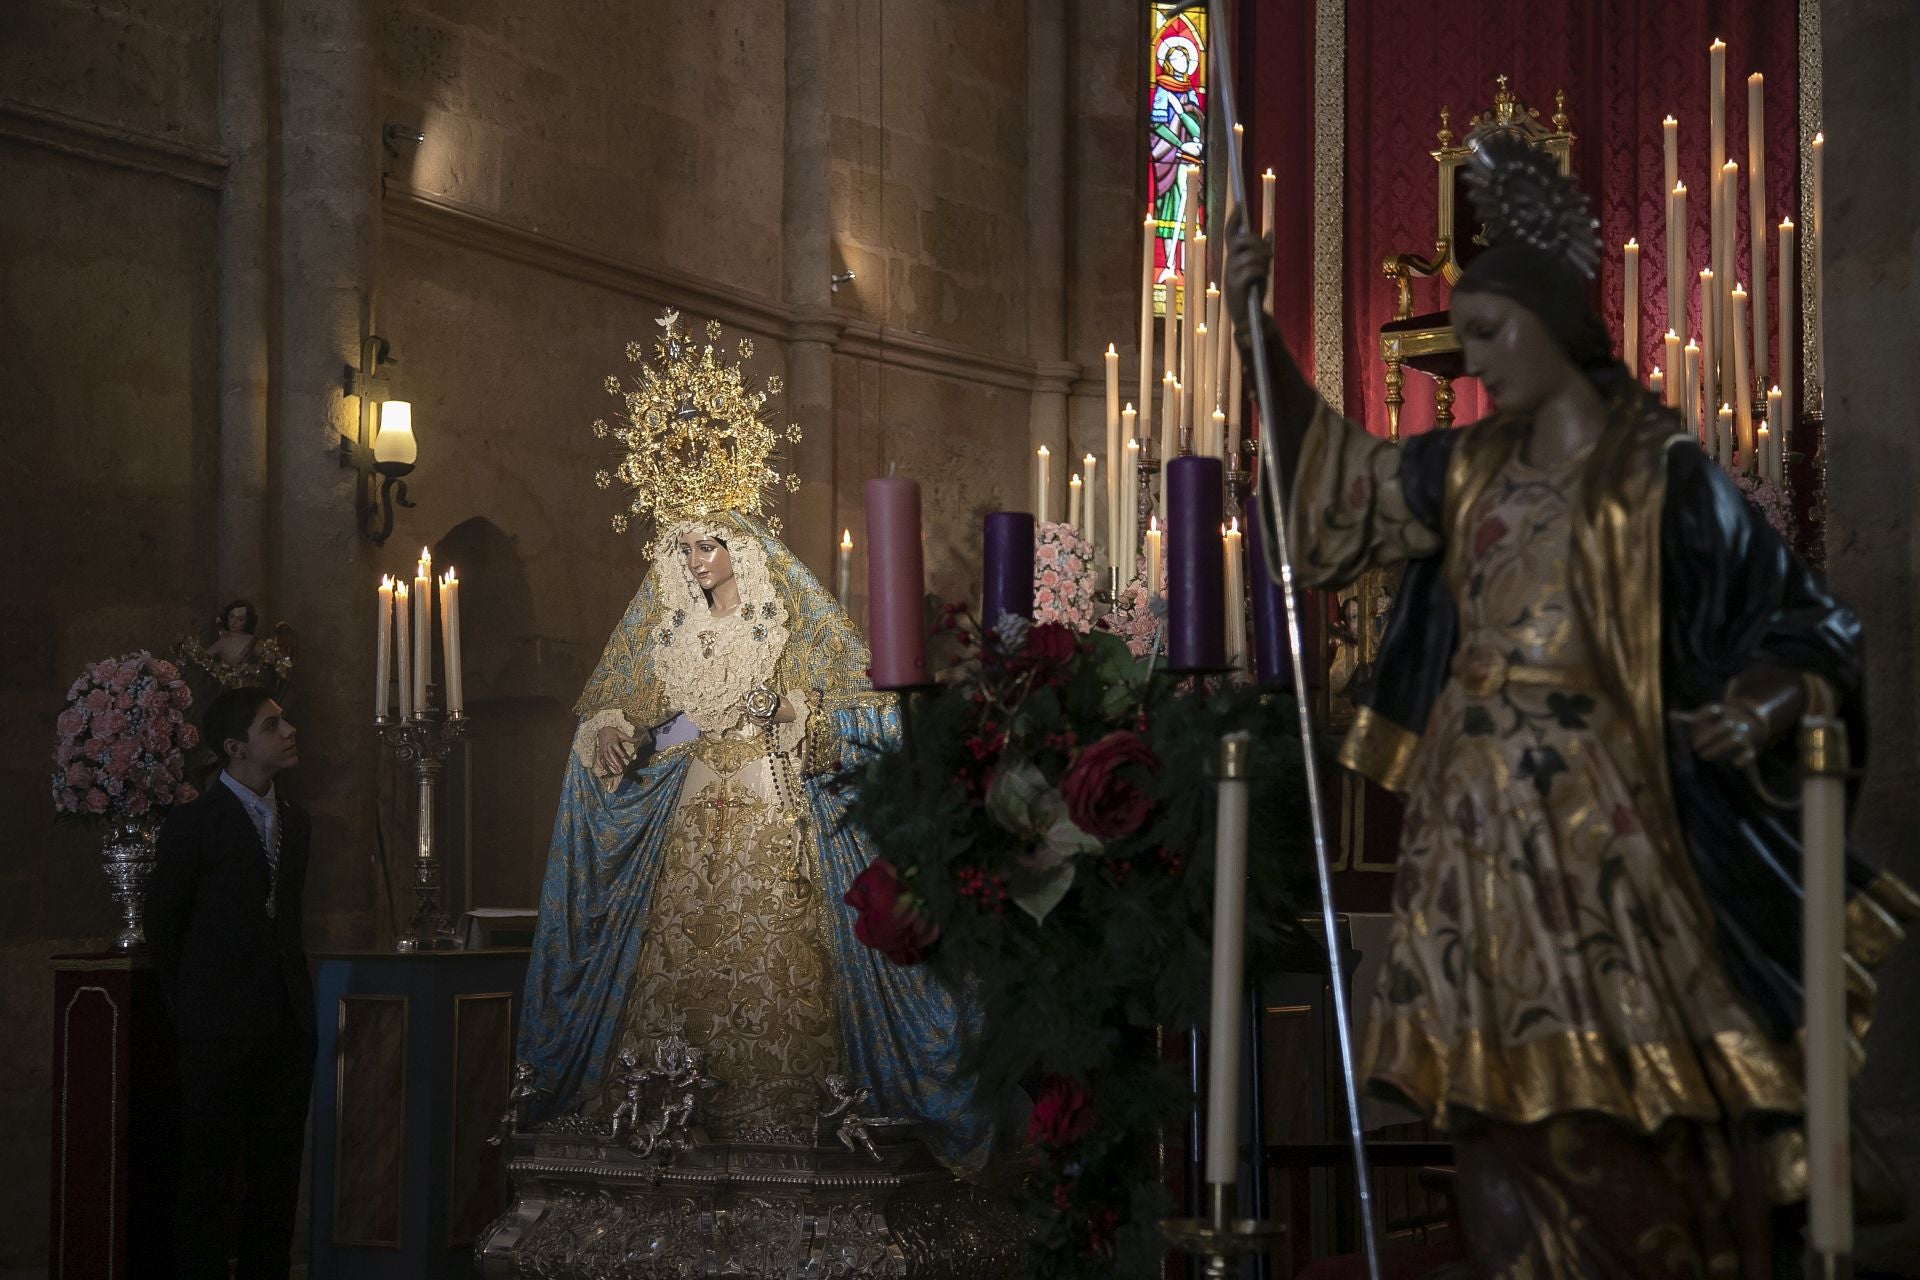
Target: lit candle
[1130,514]
[1678,381]
[1194,393]
[456,698]
[1266,227]
[1709,389]
[1676,263]
[422,629]
[1073,503]
[1657,383]
[896,583]
[1630,321]
[1102,536]
[1231,545]
[1043,485]
[1214,349]
[1670,146]
[1723,438]
[1217,434]
[1169,428]
[1120,484]
[1690,402]
[405,650]
[1008,564]
[1775,461]
[1090,499]
[1787,370]
[1229,938]
[1816,335]
[1763,453]
[1195,586]
[1742,388]
[1146,316]
[383,645]
[846,566]
[1222,345]
[1192,267]
[1153,556]
[1757,217]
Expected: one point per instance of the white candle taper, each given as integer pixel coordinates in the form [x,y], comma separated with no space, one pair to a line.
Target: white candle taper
[1742,388]
[1676,262]
[1266,224]
[383,646]
[402,617]
[422,629]
[1146,321]
[1787,371]
[1073,504]
[1093,519]
[1818,284]
[1823,806]
[455,695]
[1630,312]
[845,575]
[1670,148]
[1717,159]
[1043,484]
[1676,366]
[1130,514]
[1757,217]
[1229,940]
[1709,385]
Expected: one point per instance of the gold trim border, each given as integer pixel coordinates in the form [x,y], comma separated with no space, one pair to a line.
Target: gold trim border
[453,1132]
[1329,198]
[340,1115]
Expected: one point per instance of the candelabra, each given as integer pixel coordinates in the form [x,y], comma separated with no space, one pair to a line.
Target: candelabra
[425,741]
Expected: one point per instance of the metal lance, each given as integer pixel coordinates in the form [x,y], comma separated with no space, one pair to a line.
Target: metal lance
[1280,562]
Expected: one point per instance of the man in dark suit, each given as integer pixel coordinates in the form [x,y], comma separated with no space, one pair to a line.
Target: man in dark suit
[224,924]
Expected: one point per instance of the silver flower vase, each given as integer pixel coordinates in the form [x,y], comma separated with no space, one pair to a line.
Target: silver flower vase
[128,856]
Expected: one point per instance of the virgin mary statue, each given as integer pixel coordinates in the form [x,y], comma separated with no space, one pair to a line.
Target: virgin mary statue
[697,888]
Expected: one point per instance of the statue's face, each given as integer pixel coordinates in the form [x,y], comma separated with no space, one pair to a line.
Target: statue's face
[237,618]
[707,559]
[1511,351]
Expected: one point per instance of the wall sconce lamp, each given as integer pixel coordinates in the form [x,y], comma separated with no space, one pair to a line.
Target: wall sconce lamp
[384,450]
[837,279]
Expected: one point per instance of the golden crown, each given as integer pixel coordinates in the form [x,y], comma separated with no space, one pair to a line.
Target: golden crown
[695,440]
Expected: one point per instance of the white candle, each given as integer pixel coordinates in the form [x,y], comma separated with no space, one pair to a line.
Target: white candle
[1729,336]
[1676,261]
[1670,147]
[1146,315]
[1169,432]
[1775,460]
[1818,285]
[1153,556]
[1690,402]
[1723,438]
[1742,388]
[450,640]
[1709,385]
[1787,370]
[1102,534]
[1657,383]
[383,645]
[1763,453]
[1219,338]
[1042,485]
[1189,299]
[1229,939]
[1823,842]
[1130,514]
[422,629]
[1090,513]
[1266,227]
[1231,546]
[1630,313]
[1717,191]
[459,642]
[1073,503]
[1122,486]
[846,565]
[1192,413]
[1217,433]
[405,649]
[1757,216]
[1676,383]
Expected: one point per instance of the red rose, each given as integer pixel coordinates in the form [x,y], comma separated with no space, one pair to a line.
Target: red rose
[1062,1114]
[1050,642]
[1102,786]
[890,920]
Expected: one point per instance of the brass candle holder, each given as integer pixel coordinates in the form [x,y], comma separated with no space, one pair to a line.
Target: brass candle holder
[1221,1238]
[425,741]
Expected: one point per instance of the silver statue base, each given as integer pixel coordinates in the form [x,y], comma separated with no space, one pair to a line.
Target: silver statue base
[587,1208]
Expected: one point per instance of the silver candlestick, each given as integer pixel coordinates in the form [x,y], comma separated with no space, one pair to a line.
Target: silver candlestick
[425,740]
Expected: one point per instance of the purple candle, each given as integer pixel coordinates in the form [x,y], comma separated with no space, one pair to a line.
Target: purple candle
[1008,586]
[1270,665]
[1196,567]
[896,584]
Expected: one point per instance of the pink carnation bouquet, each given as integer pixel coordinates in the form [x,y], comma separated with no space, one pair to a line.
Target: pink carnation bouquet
[1133,619]
[120,746]
[1063,577]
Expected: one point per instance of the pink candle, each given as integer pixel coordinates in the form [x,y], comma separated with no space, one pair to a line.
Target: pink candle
[896,584]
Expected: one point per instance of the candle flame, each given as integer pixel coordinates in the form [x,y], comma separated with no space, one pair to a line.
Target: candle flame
[1786,224]
[1726,408]
[1075,480]
[1819,139]
[400,591]
[386,582]
[846,539]
[1234,526]
[1633,242]
[1127,410]
[1089,459]
[1669,121]
[1267,174]
[1679,188]
[1656,372]
[1043,451]
[1153,524]
[1134,445]
[1774,390]
[1717,45]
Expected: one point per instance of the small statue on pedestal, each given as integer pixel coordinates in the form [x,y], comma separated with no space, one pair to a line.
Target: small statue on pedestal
[852,1129]
[519,1098]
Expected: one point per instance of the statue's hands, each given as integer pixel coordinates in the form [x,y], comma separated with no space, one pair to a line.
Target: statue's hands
[1249,261]
[1760,705]
[614,750]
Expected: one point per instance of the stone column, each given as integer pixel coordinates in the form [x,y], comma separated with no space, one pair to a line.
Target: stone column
[1047,242]
[1872,309]
[241,493]
[808,260]
[323,573]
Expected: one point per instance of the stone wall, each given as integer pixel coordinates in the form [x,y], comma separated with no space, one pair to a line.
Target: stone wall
[1872,301]
[200,223]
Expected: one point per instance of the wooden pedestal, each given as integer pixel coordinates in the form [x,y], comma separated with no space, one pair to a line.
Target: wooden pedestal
[415,1053]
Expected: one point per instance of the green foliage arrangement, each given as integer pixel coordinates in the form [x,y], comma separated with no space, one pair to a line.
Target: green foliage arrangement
[1046,826]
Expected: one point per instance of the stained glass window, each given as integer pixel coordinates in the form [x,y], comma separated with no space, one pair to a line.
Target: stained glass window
[1176,138]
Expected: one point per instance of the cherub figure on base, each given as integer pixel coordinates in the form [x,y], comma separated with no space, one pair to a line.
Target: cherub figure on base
[852,1129]
[519,1097]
